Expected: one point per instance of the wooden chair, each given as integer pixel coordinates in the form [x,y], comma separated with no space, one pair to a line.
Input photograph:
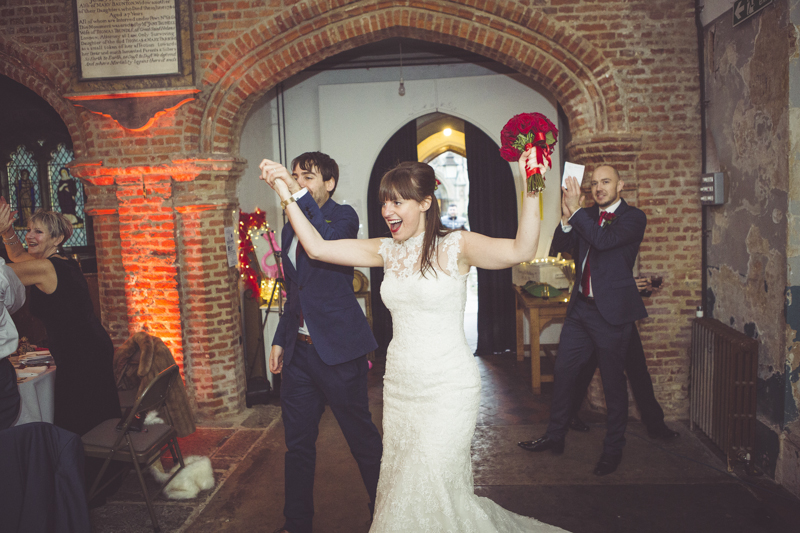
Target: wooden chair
[125,439]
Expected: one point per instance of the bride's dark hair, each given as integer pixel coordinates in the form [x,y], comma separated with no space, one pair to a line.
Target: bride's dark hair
[416,181]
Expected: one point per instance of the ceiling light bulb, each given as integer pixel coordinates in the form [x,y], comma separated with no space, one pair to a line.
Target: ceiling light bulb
[447,132]
[402,90]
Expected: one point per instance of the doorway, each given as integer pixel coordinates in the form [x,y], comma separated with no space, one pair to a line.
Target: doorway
[453,197]
[477,190]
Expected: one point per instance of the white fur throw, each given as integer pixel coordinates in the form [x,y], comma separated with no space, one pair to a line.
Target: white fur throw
[196,476]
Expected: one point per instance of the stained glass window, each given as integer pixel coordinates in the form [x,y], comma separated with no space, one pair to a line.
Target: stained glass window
[24,194]
[66,194]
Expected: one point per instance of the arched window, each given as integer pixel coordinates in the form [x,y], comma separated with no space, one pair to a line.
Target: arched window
[66,194]
[35,151]
[24,193]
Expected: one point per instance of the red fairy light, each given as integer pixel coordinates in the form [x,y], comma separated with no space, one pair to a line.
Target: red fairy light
[247,221]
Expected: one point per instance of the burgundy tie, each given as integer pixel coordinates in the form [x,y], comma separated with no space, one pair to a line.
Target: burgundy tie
[586,274]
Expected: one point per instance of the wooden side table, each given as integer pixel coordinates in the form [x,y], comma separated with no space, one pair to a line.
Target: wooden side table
[540,313]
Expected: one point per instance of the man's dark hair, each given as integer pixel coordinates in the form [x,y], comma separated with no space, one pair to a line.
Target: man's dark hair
[324,164]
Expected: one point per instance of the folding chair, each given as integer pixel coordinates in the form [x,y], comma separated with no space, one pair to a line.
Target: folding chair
[126,439]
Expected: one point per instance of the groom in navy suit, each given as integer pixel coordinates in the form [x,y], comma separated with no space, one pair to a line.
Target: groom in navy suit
[602,310]
[320,345]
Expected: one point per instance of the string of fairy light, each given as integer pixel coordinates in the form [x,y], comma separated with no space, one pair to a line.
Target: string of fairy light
[250,225]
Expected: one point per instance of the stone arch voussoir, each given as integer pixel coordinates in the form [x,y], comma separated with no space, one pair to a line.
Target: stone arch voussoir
[553,55]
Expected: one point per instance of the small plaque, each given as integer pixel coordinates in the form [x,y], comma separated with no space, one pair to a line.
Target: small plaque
[230,247]
[127,38]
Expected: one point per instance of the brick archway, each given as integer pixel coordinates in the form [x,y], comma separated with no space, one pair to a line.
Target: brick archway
[42,77]
[528,41]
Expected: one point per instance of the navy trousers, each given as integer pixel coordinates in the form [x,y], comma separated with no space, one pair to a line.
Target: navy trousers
[639,377]
[9,394]
[307,384]
[585,331]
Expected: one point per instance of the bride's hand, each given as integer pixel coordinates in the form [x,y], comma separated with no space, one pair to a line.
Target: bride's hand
[523,171]
[275,175]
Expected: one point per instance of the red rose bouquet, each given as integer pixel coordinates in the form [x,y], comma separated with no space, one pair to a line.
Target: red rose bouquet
[526,131]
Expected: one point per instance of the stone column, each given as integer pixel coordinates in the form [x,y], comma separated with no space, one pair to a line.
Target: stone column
[204,202]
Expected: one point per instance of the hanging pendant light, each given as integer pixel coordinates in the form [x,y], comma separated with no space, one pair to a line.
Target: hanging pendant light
[402,90]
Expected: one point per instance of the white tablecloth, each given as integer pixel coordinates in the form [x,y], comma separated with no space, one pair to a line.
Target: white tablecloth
[36,395]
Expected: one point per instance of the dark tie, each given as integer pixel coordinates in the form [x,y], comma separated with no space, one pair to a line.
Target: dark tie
[586,274]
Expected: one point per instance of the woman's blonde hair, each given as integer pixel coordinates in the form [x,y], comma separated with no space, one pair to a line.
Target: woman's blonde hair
[55,223]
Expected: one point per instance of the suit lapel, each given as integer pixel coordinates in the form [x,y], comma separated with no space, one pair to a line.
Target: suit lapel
[297,270]
[594,213]
[623,206]
[290,269]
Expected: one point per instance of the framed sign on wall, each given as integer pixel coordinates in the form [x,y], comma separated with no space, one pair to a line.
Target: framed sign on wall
[131,45]
[127,39]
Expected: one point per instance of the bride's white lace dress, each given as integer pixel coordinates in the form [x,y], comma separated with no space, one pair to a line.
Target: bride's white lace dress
[431,394]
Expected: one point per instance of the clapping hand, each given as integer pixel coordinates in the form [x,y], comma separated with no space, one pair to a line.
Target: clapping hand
[7,216]
[572,198]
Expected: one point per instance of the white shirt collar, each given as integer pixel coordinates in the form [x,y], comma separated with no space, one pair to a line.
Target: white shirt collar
[613,207]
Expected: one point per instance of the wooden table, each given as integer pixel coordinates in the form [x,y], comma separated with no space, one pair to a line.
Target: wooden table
[540,313]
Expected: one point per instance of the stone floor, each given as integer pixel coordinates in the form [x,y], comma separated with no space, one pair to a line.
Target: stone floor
[681,486]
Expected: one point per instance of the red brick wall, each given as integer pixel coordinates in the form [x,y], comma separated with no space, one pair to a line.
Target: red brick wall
[624,71]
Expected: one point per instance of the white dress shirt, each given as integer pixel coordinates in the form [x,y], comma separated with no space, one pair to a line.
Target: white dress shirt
[303,330]
[12,294]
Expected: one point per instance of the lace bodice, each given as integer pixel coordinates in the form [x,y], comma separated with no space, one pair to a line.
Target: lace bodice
[427,311]
[402,259]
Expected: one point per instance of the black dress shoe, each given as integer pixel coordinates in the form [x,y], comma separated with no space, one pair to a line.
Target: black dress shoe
[607,464]
[578,425]
[663,433]
[542,445]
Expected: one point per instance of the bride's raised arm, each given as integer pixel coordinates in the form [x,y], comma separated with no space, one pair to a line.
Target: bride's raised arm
[347,252]
[495,254]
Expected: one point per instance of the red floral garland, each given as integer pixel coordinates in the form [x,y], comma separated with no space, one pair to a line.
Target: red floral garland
[248,221]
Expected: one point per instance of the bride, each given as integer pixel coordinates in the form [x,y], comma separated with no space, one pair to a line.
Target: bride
[432,384]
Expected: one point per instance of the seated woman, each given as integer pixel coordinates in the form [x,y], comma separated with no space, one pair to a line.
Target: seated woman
[85,392]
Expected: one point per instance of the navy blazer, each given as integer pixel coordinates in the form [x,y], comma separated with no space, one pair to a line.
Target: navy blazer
[613,254]
[324,292]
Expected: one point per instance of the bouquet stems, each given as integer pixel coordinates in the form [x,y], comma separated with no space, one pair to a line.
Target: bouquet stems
[535,183]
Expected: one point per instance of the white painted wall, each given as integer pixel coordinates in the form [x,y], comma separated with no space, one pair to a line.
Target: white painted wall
[351,120]
[351,114]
